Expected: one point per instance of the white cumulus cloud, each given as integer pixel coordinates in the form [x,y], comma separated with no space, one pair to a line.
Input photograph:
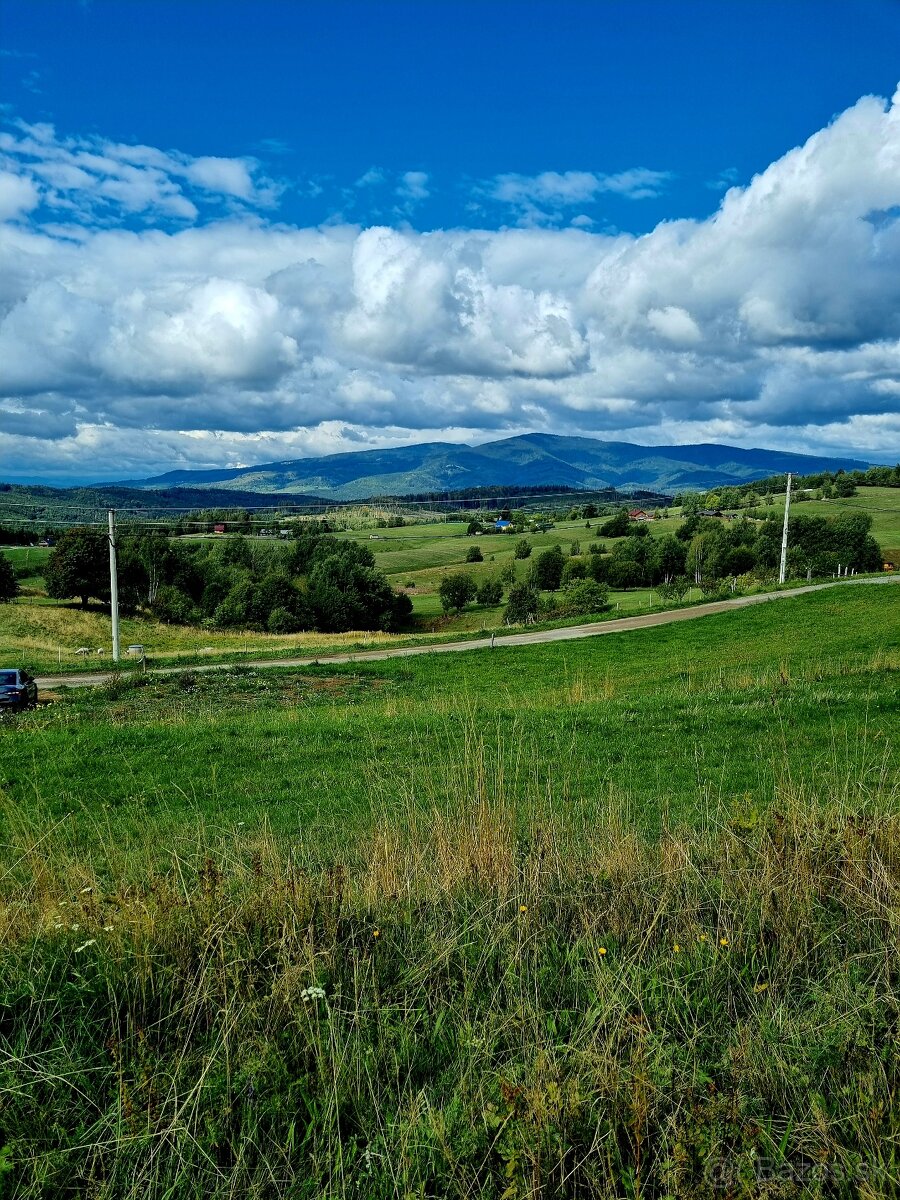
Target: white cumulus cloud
[203,342]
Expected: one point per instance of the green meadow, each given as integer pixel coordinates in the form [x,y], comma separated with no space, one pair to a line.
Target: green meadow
[608,918]
[44,635]
[674,720]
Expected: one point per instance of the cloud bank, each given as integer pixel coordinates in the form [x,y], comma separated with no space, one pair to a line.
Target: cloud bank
[152,313]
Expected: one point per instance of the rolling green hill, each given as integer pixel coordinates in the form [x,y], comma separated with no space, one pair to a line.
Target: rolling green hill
[531,459]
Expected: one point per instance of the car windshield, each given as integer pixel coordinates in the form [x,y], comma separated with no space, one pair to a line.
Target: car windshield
[8,679]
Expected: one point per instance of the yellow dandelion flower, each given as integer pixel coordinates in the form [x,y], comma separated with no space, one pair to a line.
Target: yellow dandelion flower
[723,941]
[677,948]
[376,933]
[601,950]
[523,908]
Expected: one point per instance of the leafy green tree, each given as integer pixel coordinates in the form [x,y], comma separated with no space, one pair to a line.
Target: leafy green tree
[697,554]
[617,526]
[508,573]
[9,585]
[575,549]
[735,560]
[145,562]
[598,568]
[522,548]
[546,573]
[344,594]
[575,568]
[667,558]
[490,593]
[79,567]
[636,548]
[473,554]
[456,591]
[235,552]
[276,591]
[691,502]
[236,610]
[625,573]
[522,605]
[173,606]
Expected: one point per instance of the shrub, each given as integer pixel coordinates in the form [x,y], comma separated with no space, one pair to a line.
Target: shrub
[522,548]
[490,593]
[675,590]
[585,596]
[281,620]
[173,606]
[473,554]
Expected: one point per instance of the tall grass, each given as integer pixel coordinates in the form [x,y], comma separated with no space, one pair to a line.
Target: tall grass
[478,995]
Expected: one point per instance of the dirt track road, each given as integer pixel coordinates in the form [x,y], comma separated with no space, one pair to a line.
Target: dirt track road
[569,633]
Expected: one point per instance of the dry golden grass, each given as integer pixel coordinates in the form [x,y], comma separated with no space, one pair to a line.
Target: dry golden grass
[45,635]
[472,997]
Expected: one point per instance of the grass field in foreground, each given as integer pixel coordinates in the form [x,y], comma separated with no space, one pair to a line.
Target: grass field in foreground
[675,721]
[614,918]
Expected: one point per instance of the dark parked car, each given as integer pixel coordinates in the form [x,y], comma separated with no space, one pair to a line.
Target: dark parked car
[17,689]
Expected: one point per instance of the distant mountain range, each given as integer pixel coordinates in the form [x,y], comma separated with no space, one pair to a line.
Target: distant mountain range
[532,459]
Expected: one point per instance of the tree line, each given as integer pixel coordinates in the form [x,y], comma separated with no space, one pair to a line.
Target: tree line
[706,552]
[316,582]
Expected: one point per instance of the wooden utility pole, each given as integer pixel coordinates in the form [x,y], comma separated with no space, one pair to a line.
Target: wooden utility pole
[113,586]
[782,572]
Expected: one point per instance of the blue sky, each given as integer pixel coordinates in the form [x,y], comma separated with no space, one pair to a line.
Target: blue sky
[326,93]
[243,231]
